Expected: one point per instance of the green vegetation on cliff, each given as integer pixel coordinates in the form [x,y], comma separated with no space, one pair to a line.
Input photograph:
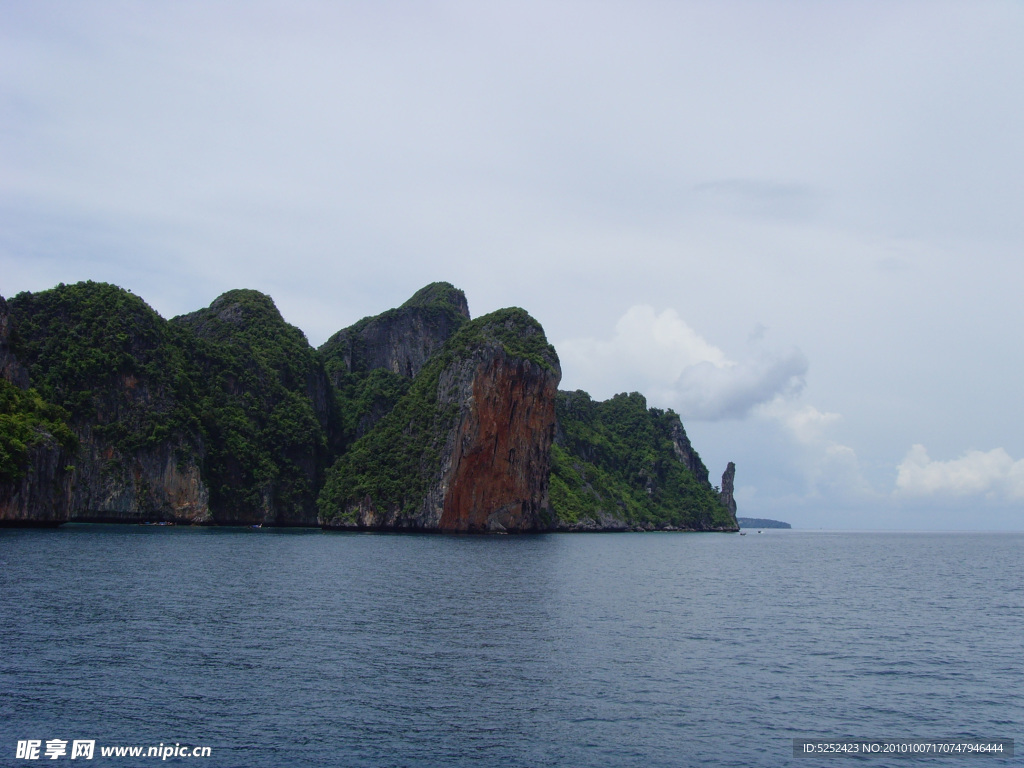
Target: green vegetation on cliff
[514,330]
[278,431]
[105,356]
[363,399]
[233,386]
[444,297]
[25,421]
[391,463]
[615,460]
[265,407]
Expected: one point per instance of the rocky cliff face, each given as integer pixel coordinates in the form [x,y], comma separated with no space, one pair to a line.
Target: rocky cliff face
[163,483]
[497,459]
[476,430]
[99,484]
[10,368]
[36,493]
[220,416]
[400,340]
[372,363]
[686,454]
[41,496]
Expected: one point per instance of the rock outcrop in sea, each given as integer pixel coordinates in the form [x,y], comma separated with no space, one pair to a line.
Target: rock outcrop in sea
[726,494]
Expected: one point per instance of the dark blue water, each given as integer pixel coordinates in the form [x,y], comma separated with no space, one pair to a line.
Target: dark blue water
[302,648]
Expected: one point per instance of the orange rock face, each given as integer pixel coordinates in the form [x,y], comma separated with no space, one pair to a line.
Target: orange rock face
[498,475]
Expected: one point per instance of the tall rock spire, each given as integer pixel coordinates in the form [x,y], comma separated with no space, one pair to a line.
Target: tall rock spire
[726,494]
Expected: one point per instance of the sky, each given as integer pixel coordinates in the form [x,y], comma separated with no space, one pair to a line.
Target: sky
[800,225]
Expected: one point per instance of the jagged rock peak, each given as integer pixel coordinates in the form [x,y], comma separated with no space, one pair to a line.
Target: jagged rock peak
[400,340]
[440,295]
[237,310]
[728,485]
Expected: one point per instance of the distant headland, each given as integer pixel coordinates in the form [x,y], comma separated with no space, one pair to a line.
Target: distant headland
[417,419]
[760,522]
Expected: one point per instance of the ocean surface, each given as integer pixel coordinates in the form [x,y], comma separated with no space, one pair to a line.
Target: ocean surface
[279,648]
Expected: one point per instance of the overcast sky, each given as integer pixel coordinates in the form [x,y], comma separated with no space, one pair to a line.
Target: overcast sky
[799,224]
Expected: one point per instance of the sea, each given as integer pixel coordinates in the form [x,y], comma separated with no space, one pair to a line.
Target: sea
[278,648]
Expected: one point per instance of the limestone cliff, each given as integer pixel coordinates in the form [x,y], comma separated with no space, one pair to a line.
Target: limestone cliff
[415,419]
[161,483]
[686,454]
[468,448]
[220,416]
[34,484]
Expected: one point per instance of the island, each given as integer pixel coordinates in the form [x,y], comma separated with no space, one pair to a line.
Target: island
[760,522]
[420,418]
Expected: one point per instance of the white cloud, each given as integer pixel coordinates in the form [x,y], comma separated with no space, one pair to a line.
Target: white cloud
[731,390]
[993,474]
[829,468]
[805,423]
[662,356]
